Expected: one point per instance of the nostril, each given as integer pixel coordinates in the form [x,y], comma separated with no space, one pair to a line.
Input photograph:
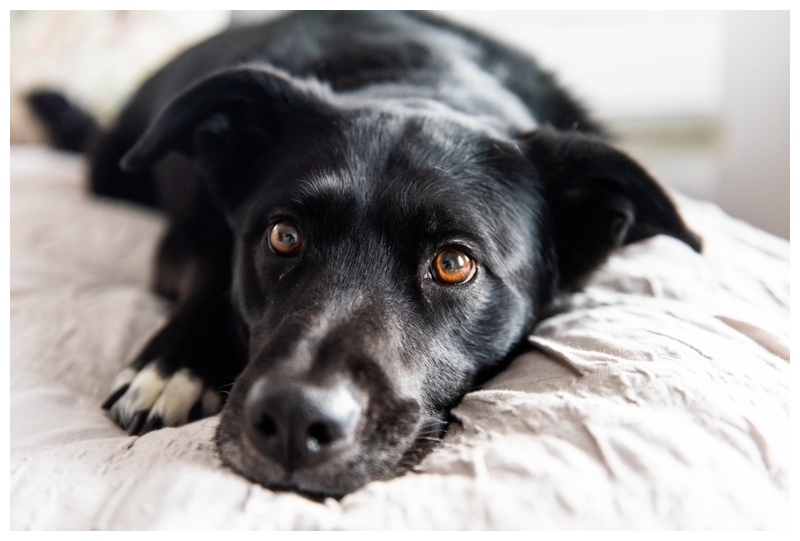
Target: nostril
[300,425]
[318,436]
[266,426]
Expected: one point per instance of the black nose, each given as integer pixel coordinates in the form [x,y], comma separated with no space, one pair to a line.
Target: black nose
[298,425]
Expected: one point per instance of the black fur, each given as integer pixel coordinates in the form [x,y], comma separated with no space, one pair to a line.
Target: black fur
[383,137]
[70,128]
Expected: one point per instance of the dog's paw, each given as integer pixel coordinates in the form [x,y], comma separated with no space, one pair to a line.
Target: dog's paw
[146,399]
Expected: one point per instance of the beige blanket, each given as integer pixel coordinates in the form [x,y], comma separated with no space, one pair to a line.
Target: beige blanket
[661,400]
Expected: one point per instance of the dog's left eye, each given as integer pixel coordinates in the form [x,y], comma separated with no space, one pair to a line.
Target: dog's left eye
[284,238]
[452,266]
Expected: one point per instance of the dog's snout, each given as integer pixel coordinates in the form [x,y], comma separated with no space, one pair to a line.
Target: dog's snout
[300,426]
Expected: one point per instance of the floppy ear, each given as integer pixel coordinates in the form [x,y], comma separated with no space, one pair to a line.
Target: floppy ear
[228,117]
[599,199]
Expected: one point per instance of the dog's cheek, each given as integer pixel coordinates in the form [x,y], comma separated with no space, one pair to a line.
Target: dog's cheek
[472,330]
[228,437]
[245,289]
[254,278]
[501,323]
[395,431]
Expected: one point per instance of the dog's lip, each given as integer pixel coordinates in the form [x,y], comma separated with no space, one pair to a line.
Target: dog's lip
[314,493]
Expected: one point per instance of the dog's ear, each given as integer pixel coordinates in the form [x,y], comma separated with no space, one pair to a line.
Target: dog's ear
[228,117]
[599,199]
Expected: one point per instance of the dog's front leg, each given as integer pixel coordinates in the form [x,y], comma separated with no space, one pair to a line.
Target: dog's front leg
[181,374]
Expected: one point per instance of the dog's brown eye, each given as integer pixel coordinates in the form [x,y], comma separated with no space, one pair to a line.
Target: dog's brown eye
[452,266]
[284,238]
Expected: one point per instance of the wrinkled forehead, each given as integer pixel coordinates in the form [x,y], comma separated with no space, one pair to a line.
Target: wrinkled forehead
[406,162]
[397,200]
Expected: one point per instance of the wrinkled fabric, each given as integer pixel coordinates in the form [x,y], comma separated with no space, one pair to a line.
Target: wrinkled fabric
[659,399]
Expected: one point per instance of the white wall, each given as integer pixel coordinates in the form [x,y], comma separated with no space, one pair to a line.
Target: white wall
[755,172]
[701,98]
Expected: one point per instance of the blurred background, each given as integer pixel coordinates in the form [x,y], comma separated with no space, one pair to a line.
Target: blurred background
[701,98]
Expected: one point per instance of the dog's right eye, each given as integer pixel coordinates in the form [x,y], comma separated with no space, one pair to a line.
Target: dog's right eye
[284,238]
[452,266]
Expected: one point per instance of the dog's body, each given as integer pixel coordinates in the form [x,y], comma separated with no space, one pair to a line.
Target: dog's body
[369,212]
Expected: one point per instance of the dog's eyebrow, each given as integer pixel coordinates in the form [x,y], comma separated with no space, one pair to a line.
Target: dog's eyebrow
[320,186]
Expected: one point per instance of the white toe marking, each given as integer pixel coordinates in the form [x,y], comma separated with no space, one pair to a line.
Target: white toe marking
[141,395]
[211,402]
[177,398]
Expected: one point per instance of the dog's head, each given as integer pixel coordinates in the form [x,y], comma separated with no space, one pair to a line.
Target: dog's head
[386,259]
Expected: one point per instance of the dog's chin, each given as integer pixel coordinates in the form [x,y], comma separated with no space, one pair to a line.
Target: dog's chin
[377,455]
[333,479]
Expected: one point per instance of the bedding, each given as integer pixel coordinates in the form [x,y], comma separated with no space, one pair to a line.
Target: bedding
[659,399]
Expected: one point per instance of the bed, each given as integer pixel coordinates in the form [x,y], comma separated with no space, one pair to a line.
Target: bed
[660,399]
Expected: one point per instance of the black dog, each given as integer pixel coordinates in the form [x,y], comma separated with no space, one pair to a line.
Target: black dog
[369,214]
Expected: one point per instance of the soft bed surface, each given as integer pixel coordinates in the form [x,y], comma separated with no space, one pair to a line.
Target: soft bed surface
[659,400]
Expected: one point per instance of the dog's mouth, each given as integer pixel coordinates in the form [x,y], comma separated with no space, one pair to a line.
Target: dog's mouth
[295,447]
[420,447]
